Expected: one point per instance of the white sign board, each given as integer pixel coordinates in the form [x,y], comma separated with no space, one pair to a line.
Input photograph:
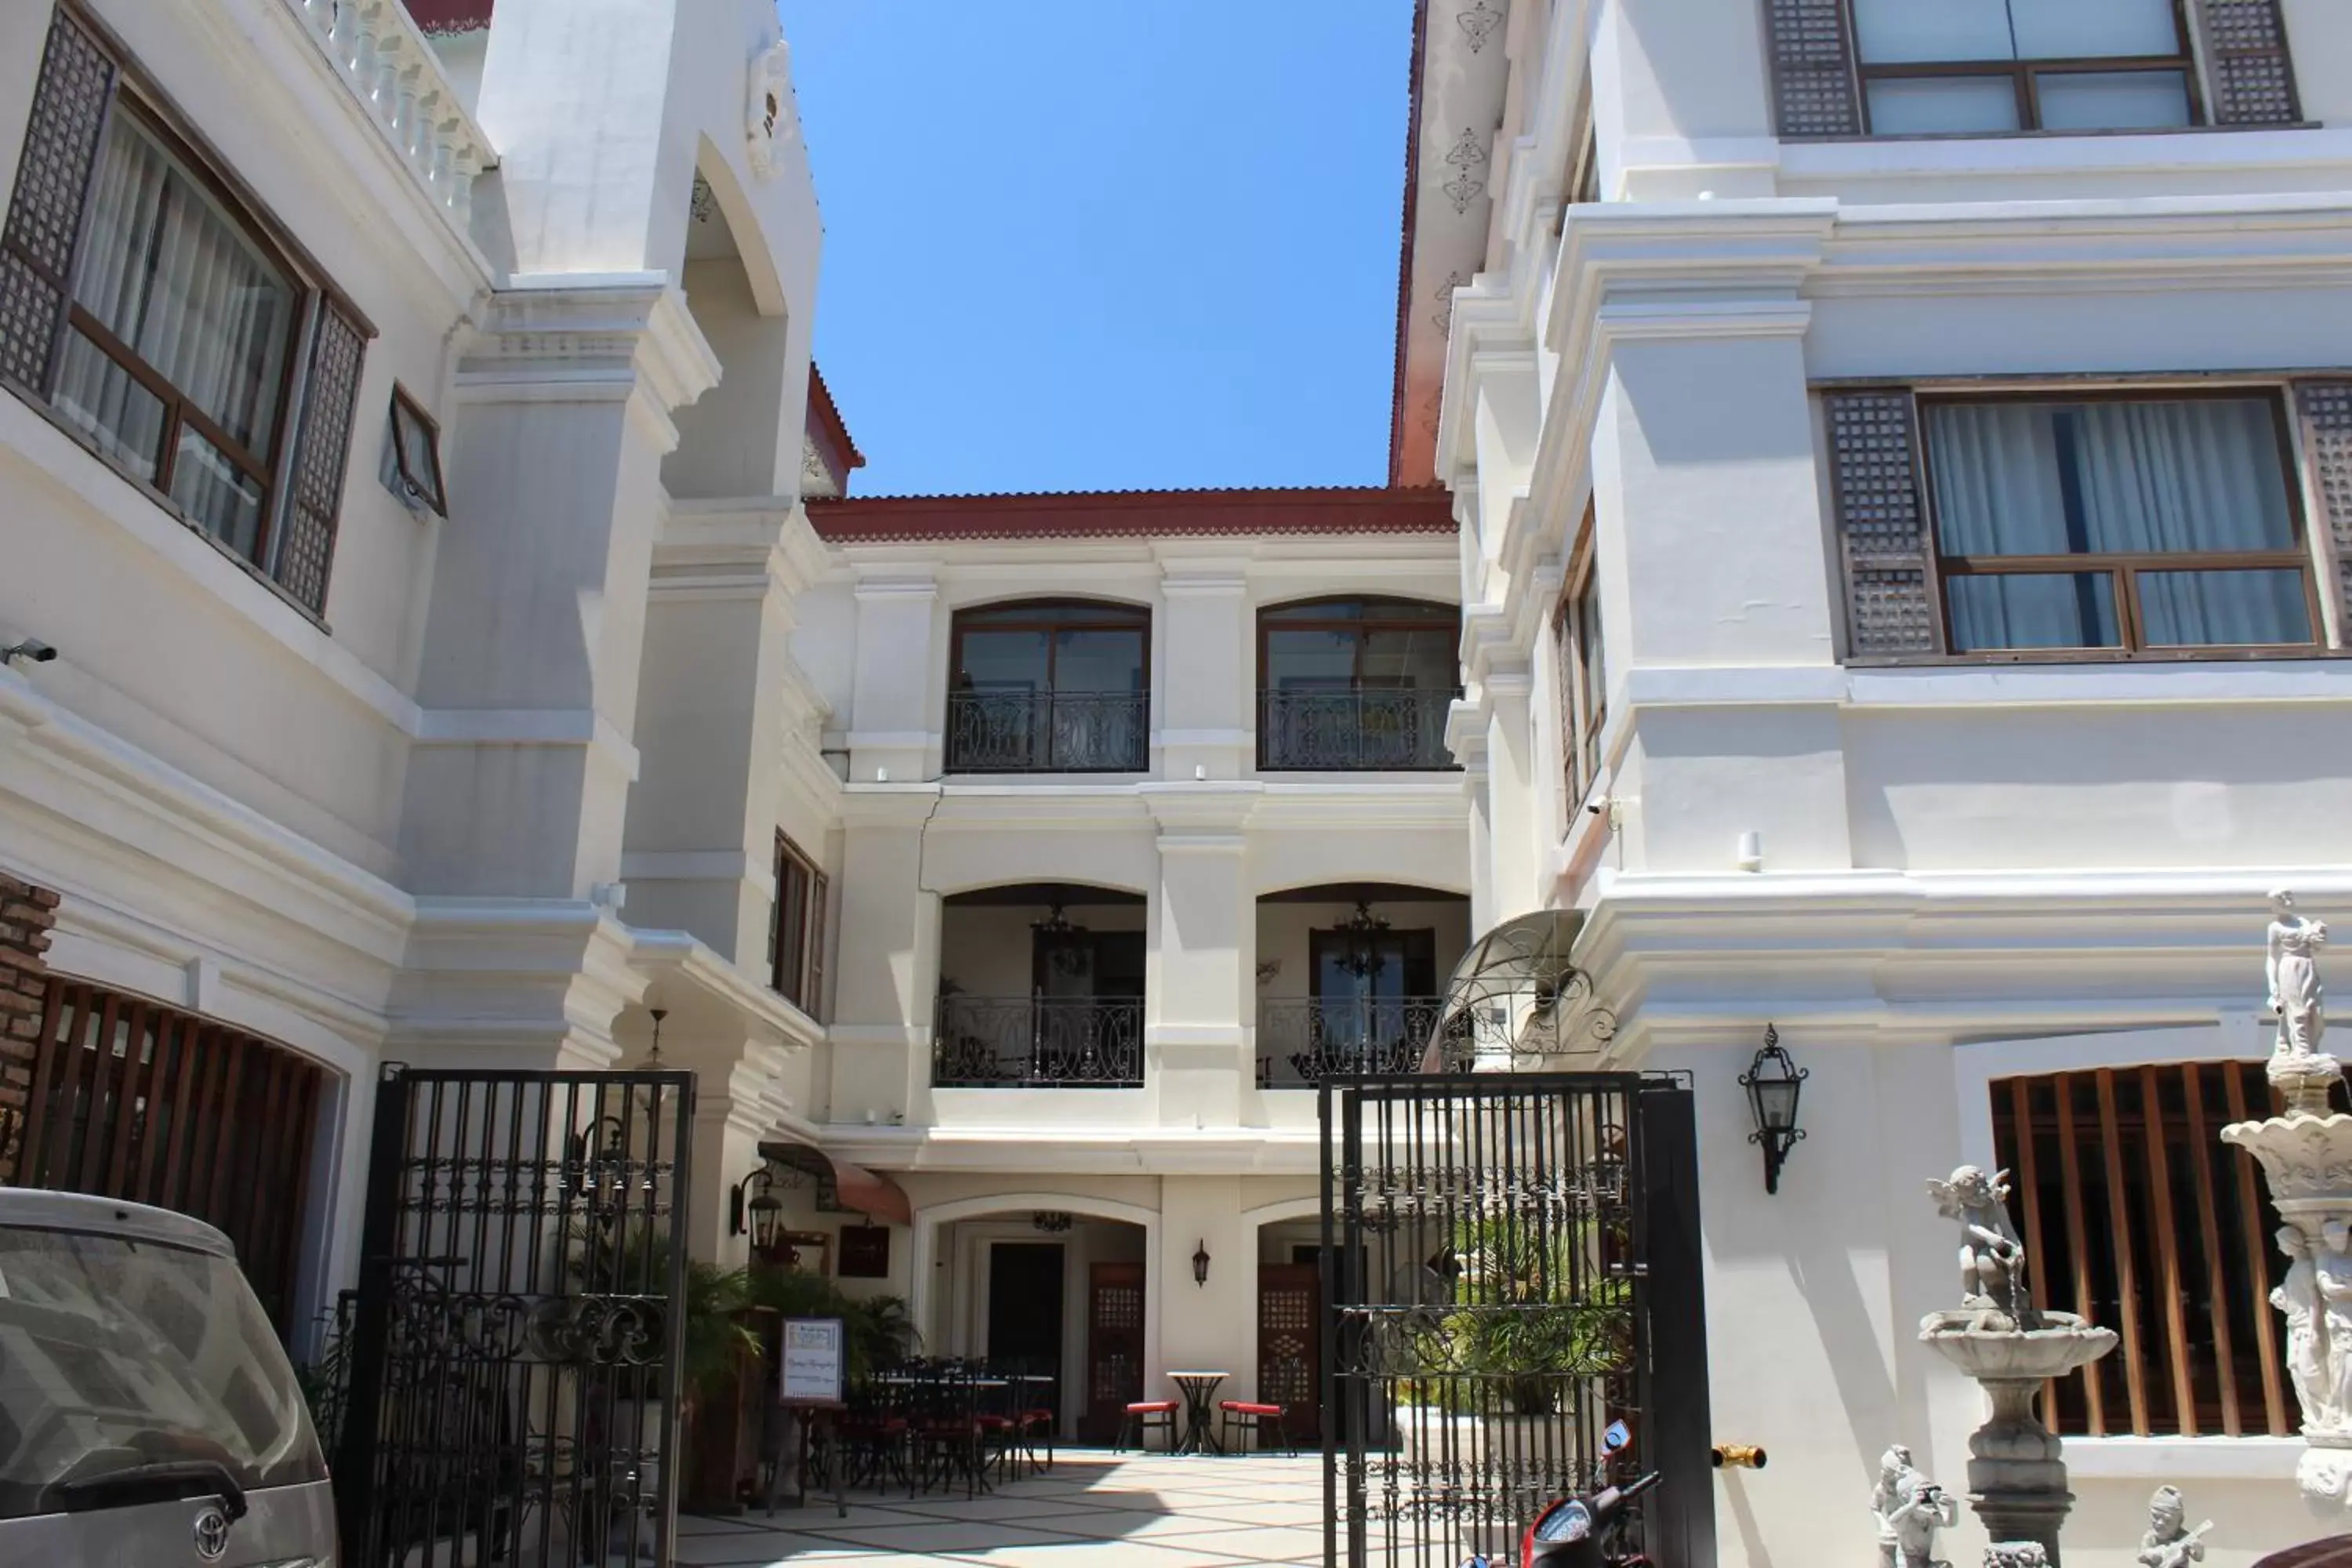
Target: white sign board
[814,1362]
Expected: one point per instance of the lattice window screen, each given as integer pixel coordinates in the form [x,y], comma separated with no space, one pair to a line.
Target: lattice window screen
[308,550]
[1815,91]
[2326,408]
[1890,583]
[2250,80]
[36,245]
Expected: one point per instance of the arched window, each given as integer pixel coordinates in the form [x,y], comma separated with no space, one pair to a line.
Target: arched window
[1356,684]
[1049,686]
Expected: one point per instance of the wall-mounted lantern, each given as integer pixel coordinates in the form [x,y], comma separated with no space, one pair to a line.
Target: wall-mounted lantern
[1774,1083]
[754,1206]
[1201,1263]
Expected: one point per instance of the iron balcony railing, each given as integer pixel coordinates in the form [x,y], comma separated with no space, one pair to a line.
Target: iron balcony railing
[1048,732]
[1368,728]
[1037,1042]
[1303,1041]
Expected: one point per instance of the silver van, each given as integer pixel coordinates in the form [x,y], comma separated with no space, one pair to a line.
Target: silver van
[148,1415]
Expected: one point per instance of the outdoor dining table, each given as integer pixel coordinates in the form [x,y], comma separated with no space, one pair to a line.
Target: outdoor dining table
[1200,1415]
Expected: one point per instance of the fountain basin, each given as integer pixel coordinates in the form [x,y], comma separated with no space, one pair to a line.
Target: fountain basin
[1991,1348]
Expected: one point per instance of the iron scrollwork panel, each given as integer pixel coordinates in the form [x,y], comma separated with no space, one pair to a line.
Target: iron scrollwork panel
[515,1349]
[1048,732]
[1487,1323]
[998,1042]
[1366,729]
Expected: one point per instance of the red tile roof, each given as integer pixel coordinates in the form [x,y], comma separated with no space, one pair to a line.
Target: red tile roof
[450,15]
[1131,514]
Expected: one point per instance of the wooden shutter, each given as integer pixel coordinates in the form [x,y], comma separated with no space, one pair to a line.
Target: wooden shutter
[1891,608]
[2249,78]
[2326,410]
[820,895]
[1814,89]
[306,552]
[36,245]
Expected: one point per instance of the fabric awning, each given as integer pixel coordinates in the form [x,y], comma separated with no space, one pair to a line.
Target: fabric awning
[843,1187]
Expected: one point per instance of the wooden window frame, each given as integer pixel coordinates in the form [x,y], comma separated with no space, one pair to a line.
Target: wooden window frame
[266,467]
[796,967]
[1357,624]
[1109,614]
[1583,714]
[425,490]
[2024,76]
[2123,567]
[133,94]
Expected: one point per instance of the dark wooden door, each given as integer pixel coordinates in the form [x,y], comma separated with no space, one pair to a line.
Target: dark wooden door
[1114,1346]
[1024,1310]
[1290,1358]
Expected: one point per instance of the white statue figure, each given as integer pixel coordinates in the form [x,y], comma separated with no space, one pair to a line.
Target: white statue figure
[2169,1542]
[1922,1509]
[2293,970]
[1895,1467]
[2297,1297]
[1992,1260]
[2331,1269]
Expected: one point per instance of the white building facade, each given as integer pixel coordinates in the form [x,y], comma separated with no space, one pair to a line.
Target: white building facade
[1900,455]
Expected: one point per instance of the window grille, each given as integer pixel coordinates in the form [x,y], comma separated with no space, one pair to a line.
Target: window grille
[2137,1218]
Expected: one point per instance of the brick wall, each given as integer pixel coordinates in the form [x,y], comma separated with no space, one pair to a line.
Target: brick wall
[27,913]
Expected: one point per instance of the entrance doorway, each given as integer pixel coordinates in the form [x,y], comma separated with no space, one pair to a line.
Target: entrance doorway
[1024,1308]
[1114,1347]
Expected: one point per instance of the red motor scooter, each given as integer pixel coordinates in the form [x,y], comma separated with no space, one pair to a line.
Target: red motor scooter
[1569,1533]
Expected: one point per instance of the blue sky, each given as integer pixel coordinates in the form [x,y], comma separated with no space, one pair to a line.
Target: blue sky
[1106,244]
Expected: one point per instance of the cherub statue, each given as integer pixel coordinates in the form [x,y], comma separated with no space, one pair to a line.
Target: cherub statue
[1922,1509]
[2292,968]
[1895,1467]
[2169,1542]
[1992,1260]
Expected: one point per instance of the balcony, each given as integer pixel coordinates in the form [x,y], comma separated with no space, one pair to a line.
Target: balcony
[1359,730]
[1048,732]
[1303,1040]
[1041,987]
[1037,1042]
[1351,978]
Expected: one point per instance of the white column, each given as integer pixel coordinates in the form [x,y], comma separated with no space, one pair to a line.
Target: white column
[1204,663]
[900,679]
[1200,963]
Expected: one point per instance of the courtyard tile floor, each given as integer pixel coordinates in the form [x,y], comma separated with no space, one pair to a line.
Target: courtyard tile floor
[1092,1510]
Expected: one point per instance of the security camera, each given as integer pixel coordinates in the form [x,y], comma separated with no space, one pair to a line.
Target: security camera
[1598,806]
[33,650]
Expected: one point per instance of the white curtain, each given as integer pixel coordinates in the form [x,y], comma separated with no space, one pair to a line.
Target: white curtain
[2130,477]
[167,271]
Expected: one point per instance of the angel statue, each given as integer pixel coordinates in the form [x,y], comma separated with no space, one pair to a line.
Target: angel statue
[1992,1260]
[2169,1542]
[2291,967]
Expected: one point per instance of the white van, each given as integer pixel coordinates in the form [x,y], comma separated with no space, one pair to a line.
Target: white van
[148,1415]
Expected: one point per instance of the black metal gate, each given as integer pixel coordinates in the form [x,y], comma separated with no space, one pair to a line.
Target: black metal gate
[1511,1266]
[514,1355]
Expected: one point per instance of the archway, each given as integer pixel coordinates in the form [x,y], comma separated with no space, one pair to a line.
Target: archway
[1351,977]
[1041,984]
[971,1254]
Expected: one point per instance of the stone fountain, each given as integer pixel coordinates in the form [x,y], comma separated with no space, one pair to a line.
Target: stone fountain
[2017,1481]
[2306,1154]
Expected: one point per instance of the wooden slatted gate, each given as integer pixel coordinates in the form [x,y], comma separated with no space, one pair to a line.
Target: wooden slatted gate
[137,1100]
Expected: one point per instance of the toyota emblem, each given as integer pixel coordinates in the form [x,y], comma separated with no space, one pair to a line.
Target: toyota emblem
[212,1534]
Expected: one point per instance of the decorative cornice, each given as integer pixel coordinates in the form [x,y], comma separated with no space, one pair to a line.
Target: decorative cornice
[568,335]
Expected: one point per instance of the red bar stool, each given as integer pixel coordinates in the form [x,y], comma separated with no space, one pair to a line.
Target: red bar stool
[1254,1420]
[1141,1417]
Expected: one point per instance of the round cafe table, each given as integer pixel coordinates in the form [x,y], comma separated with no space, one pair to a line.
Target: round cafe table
[1200,1389]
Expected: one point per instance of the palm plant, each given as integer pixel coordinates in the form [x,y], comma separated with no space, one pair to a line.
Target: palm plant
[1533,1312]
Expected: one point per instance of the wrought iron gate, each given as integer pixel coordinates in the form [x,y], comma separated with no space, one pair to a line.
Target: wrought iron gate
[515,1354]
[1510,1266]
